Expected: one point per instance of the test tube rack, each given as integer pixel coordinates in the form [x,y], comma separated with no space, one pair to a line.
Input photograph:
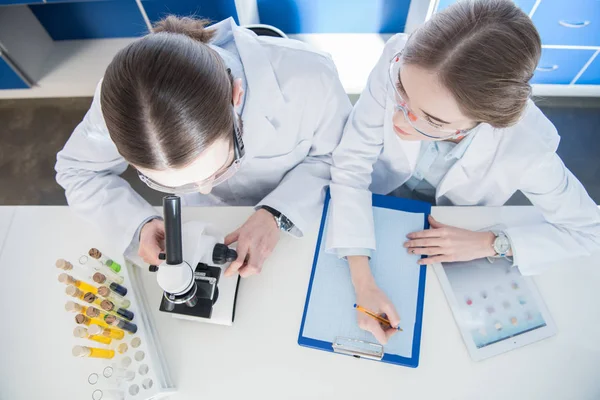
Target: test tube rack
[143,355]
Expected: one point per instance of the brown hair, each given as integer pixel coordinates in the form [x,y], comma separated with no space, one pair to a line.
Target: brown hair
[168,96]
[484,52]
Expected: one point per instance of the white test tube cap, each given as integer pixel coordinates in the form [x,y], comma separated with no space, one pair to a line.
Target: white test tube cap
[80,332]
[72,291]
[94,329]
[63,278]
[71,306]
[81,351]
[63,264]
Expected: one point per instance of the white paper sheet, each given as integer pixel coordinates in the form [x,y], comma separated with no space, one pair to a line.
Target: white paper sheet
[330,309]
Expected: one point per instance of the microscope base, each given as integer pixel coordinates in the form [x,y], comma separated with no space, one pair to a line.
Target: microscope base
[220,309]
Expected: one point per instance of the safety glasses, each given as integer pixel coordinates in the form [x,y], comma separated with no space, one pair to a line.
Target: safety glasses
[232,165]
[427,128]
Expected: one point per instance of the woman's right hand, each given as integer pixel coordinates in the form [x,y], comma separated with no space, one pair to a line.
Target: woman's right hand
[152,241]
[373,299]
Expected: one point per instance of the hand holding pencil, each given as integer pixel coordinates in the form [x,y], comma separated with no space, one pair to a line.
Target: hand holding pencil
[376,314]
[373,300]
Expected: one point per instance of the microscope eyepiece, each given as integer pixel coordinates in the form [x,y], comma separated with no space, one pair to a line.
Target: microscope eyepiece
[223,254]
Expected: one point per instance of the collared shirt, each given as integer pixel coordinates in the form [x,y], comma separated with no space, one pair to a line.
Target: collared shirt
[434,162]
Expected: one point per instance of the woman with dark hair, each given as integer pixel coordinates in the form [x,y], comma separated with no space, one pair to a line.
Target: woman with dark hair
[447,118]
[217,115]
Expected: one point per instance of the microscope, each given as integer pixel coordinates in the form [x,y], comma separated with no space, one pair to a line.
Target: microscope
[191,273]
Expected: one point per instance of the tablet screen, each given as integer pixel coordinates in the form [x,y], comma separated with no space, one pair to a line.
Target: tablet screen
[494,301]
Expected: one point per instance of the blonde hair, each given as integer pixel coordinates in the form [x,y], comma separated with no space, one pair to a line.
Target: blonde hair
[484,52]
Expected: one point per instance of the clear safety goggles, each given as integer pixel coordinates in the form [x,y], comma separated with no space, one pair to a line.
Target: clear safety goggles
[224,173]
[426,128]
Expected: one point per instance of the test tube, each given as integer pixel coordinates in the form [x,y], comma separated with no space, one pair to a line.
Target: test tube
[107,305]
[103,269]
[127,326]
[63,264]
[106,394]
[78,294]
[118,374]
[112,333]
[97,254]
[81,285]
[93,352]
[115,287]
[82,332]
[83,320]
[71,306]
[93,312]
[112,296]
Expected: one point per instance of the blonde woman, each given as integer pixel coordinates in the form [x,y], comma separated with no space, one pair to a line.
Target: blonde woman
[446,117]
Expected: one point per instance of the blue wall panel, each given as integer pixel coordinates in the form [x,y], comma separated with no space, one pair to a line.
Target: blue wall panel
[335,16]
[91,20]
[591,76]
[215,10]
[9,79]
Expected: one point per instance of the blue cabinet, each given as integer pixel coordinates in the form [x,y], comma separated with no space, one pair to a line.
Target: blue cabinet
[215,10]
[570,32]
[560,66]
[9,79]
[573,22]
[11,2]
[335,16]
[91,20]
[591,75]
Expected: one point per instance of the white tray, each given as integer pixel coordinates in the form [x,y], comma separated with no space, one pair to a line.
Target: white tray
[161,384]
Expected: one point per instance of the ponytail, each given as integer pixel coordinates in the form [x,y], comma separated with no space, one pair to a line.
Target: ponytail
[193,28]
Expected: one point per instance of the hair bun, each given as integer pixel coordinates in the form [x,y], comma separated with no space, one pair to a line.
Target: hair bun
[193,28]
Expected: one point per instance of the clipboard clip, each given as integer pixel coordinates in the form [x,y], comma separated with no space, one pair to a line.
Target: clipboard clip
[358,348]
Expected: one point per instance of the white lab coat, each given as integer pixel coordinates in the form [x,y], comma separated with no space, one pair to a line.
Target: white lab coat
[294,114]
[371,158]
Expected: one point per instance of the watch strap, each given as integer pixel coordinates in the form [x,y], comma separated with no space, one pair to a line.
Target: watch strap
[283,223]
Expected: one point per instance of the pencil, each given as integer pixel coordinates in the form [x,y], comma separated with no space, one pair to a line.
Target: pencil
[376,316]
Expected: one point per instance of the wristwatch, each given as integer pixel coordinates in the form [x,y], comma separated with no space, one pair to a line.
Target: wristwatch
[283,223]
[501,244]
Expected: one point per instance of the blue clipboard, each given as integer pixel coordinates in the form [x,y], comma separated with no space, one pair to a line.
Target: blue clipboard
[338,305]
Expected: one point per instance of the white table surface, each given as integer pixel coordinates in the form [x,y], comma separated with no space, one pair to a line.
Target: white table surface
[258,358]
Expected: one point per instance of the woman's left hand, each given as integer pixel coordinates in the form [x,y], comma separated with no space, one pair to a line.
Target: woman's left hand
[256,239]
[444,243]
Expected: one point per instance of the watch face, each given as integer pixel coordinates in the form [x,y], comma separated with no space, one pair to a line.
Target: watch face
[501,244]
[285,224]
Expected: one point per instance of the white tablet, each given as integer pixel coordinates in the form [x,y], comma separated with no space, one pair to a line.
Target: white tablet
[495,307]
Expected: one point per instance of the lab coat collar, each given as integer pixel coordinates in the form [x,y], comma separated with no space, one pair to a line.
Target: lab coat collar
[474,162]
[461,147]
[264,97]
